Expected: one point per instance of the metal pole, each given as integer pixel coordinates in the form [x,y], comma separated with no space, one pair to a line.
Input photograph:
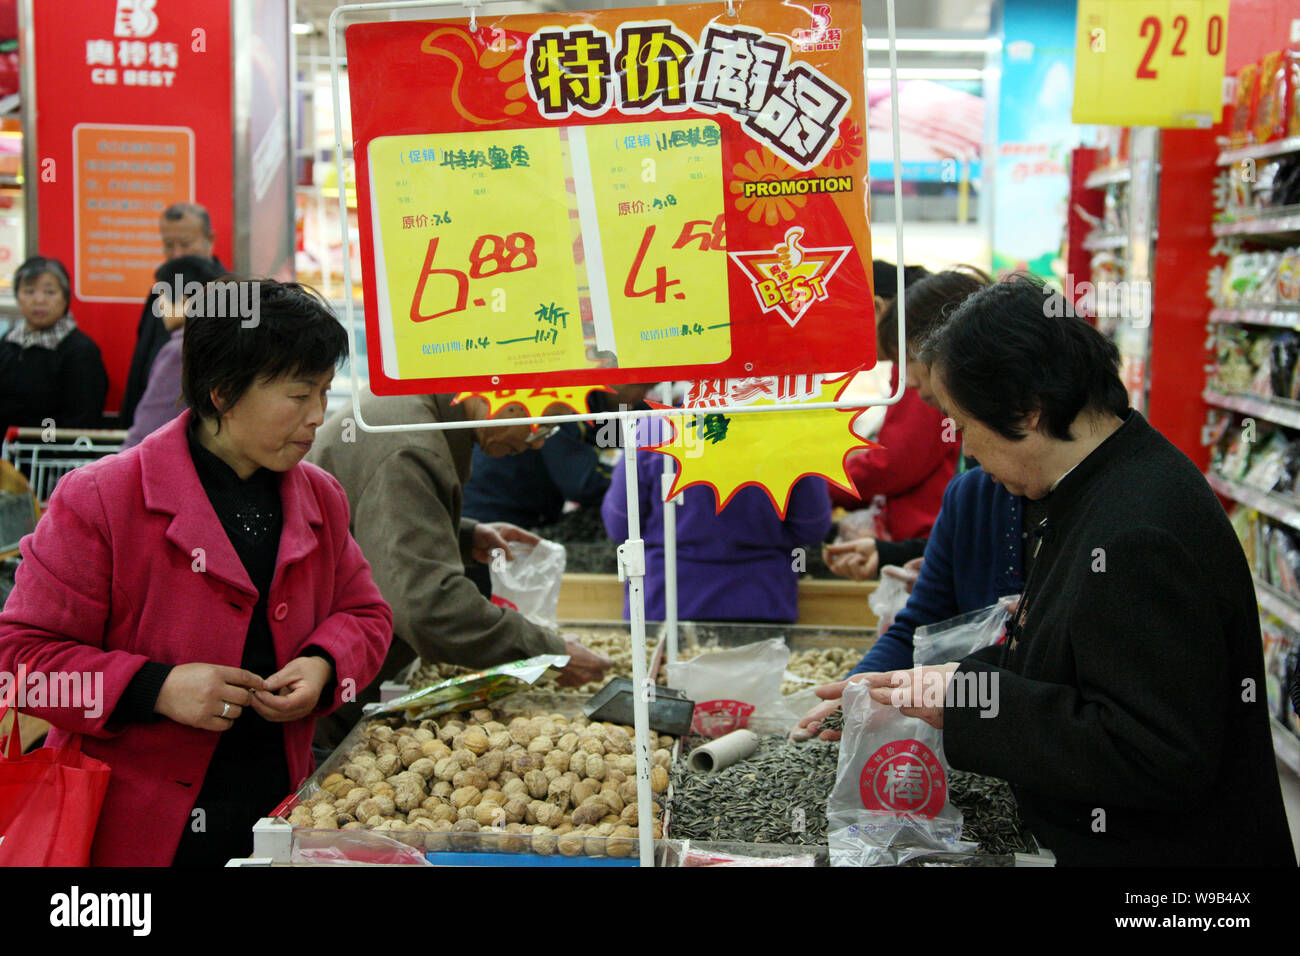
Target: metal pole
[631,567]
[670,553]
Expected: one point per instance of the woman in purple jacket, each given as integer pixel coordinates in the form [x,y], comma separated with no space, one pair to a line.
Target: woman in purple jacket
[737,565]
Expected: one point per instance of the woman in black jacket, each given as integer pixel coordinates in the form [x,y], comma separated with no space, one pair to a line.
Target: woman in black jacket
[49,369]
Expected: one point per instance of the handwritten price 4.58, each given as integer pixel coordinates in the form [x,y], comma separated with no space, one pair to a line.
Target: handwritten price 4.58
[710,237]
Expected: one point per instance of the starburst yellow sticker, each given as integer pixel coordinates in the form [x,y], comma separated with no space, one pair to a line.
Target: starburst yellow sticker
[771,450]
[536,401]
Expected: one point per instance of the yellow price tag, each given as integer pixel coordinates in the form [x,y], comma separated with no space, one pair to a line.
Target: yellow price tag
[1150,62]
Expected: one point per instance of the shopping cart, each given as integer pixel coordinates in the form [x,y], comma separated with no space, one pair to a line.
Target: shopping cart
[45,455]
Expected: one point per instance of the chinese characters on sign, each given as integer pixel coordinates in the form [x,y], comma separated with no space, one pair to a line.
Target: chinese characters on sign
[792,109]
[124,178]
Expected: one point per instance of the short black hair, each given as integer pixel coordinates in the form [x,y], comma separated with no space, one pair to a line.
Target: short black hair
[179,210]
[1015,348]
[884,277]
[295,333]
[37,266]
[929,301]
[189,269]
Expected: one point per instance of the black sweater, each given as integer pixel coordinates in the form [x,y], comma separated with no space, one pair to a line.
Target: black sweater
[1132,717]
[67,383]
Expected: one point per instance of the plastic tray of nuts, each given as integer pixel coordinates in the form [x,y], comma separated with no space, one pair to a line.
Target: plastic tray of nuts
[530,776]
[611,638]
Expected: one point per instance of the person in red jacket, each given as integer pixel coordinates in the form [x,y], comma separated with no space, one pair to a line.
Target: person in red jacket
[919,448]
[205,588]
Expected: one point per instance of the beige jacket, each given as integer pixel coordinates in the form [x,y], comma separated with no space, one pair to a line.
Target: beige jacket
[404,489]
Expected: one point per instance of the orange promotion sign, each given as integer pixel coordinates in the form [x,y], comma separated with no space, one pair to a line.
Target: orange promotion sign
[612,196]
[125,176]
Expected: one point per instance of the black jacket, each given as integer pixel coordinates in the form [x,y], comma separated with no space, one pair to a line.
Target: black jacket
[67,384]
[1132,716]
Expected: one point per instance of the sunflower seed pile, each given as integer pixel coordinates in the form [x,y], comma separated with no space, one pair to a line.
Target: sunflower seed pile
[776,795]
[989,814]
[833,721]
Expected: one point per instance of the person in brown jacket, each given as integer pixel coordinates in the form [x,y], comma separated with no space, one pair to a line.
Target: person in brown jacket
[405,493]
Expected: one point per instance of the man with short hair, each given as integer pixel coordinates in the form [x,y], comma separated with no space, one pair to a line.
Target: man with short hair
[1131,718]
[186,230]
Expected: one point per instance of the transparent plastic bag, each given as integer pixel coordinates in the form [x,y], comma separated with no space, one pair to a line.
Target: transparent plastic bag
[959,636]
[735,688]
[530,581]
[890,800]
[889,597]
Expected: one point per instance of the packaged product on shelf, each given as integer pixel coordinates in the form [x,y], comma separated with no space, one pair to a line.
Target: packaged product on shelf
[1260,354]
[1282,357]
[1291,61]
[1115,208]
[1285,483]
[1287,282]
[1270,102]
[1234,368]
[1243,105]
[1280,644]
[1263,546]
[1243,524]
[1284,559]
[1279,183]
[1268,464]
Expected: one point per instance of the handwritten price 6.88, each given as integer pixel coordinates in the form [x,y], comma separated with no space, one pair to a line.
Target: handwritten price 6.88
[490,255]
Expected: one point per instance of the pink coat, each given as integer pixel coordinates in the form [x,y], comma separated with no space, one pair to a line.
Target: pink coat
[110,579]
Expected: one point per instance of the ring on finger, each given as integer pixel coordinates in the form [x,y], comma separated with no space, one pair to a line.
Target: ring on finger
[225,708]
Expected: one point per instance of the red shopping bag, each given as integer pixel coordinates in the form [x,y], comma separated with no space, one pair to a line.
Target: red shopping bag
[49,802]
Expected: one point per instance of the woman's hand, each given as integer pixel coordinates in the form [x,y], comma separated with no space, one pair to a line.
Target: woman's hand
[292,692]
[810,724]
[857,560]
[491,536]
[207,696]
[917,692]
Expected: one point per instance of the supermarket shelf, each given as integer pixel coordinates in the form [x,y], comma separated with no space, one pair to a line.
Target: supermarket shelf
[1285,744]
[1108,177]
[1278,318]
[1272,410]
[1273,601]
[1230,157]
[1098,240]
[1264,226]
[1279,507]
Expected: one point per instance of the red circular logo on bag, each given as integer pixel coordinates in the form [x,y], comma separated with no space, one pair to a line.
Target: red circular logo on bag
[904,777]
[713,718]
[499,601]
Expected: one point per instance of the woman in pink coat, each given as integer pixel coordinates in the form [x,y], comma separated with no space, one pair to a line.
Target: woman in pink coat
[202,592]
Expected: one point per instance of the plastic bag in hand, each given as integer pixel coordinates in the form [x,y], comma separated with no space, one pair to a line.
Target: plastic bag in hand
[530,581]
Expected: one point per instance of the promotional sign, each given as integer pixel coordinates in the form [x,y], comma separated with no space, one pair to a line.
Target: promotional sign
[131,113]
[621,196]
[1150,62]
[728,452]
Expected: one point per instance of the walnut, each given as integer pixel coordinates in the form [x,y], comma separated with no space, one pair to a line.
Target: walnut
[354,771]
[542,841]
[592,746]
[442,788]
[537,783]
[333,780]
[551,773]
[476,740]
[513,840]
[612,798]
[578,762]
[424,767]
[466,796]
[493,727]
[353,798]
[589,813]
[464,757]
[419,813]
[568,742]
[435,750]
[558,760]
[374,807]
[524,763]
[380,732]
[411,755]
[446,768]
[662,758]
[613,774]
[627,790]
[665,742]
[550,815]
[622,842]
[570,844]
[460,837]
[492,795]
[521,731]
[490,815]
[541,745]
[470,778]
[490,763]
[447,813]
[658,779]
[505,776]
[515,788]
[432,803]
[381,789]
[499,740]
[533,813]
[482,716]
[384,749]
[630,815]
[371,776]
[618,742]
[516,809]
[467,812]
[596,767]
[353,826]
[583,791]
[423,736]
[595,842]
[558,792]
[408,798]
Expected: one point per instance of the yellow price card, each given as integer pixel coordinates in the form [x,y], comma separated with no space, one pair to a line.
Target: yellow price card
[658,238]
[1150,62]
[476,247]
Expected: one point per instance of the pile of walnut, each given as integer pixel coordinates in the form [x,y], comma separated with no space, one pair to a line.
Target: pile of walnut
[822,666]
[542,784]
